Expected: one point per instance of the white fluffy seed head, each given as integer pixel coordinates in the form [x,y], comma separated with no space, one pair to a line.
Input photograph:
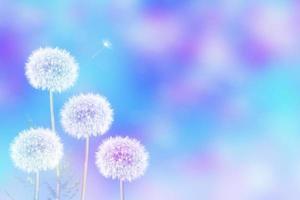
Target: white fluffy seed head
[86,115]
[122,158]
[51,69]
[36,150]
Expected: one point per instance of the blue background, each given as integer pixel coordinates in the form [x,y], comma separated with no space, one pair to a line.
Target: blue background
[211,88]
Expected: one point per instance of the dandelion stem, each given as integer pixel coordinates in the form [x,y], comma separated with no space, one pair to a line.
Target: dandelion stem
[85,169]
[52,111]
[122,195]
[37,186]
[58,182]
[53,129]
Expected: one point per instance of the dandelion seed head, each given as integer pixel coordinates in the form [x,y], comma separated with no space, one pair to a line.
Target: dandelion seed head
[36,150]
[51,69]
[122,158]
[86,115]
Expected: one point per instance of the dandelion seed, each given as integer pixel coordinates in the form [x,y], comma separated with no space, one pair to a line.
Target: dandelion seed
[122,158]
[106,43]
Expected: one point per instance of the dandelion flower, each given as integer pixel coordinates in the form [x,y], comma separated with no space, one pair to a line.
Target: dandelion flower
[51,69]
[36,150]
[122,158]
[86,115]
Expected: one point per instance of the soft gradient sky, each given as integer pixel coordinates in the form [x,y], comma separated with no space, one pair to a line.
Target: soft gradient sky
[211,88]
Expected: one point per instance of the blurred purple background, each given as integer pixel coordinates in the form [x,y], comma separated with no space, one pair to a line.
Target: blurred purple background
[211,88]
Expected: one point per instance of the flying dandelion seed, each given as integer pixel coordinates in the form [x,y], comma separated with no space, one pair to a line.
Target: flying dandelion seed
[83,116]
[105,44]
[122,158]
[51,69]
[36,150]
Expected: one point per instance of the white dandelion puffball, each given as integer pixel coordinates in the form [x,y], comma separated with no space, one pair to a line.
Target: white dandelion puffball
[51,69]
[36,150]
[122,157]
[86,115]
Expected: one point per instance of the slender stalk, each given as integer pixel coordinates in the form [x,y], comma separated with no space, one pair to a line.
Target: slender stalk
[58,182]
[37,186]
[52,111]
[85,169]
[53,129]
[122,195]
